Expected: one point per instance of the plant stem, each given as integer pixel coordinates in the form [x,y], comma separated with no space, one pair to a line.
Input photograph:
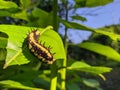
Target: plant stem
[53,66]
[53,77]
[63,74]
[55,19]
[66,29]
[47,28]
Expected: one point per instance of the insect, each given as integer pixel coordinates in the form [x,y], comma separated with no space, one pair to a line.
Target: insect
[39,49]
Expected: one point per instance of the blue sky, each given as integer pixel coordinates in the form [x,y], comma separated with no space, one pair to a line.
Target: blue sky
[96,17]
[106,15]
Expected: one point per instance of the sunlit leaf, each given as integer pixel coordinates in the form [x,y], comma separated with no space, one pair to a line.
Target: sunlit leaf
[18,53]
[75,25]
[112,35]
[96,69]
[21,15]
[25,3]
[101,49]
[91,3]
[7,4]
[82,66]
[17,85]
[78,64]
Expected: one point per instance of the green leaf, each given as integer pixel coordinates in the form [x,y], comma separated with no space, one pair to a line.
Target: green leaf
[91,83]
[82,66]
[46,17]
[17,85]
[3,53]
[3,42]
[79,18]
[53,39]
[17,51]
[4,13]
[7,4]
[101,49]
[91,3]
[96,69]
[39,13]
[21,15]
[113,36]
[31,77]
[25,3]
[72,86]
[78,64]
[74,25]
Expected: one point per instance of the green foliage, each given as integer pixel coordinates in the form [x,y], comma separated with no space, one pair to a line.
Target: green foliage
[92,83]
[46,18]
[81,66]
[101,49]
[3,42]
[14,84]
[30,74]
[25,3]
[112,35]
[91,3]
[71,86]
[7,4]
[74,25]
[16,49]
[79,18]
[82,27]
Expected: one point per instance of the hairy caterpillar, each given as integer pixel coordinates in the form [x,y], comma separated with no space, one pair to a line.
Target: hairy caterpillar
[39,49]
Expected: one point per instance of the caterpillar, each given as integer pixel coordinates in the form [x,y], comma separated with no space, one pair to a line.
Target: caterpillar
[39,49]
